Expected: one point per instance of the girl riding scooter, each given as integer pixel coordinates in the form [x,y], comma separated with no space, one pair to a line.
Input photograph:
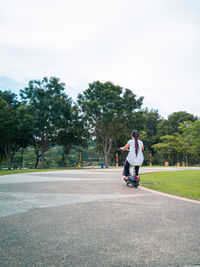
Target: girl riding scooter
[135,156]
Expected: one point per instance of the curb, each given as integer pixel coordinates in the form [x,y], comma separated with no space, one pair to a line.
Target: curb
[171,196]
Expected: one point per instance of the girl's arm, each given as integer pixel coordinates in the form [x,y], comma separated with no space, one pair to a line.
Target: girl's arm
[125,147]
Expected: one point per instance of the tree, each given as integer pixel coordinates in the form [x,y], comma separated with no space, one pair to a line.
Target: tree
[25,128]
[108,110]
[174,148]
[170,126]
[191,132]
[2,155]
[49,107]
[150,127]
[165,146]
[72,133]
[179,117]
[9,130]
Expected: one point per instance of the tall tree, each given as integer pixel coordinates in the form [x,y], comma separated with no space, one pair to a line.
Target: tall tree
[191,133]
[166,147]
[25,127]
[150,127]
[107,110]
[9,130]
[72,134]
[170,126]
[174,148]
[48,105]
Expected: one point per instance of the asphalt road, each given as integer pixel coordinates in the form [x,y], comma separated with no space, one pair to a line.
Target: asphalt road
[91,218]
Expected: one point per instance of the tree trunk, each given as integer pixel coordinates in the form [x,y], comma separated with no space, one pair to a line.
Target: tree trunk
[106,151]
[42,157]
[186,160]
[106,159]
[64,159]
[22,157]
[9,162]
[37,159]
[66,151]
[36,163]
[8,156]
[106,156]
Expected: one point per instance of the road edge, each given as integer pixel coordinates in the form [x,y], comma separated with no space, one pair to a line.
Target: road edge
[169,195]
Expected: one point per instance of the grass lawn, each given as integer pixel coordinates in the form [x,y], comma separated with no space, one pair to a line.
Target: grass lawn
[180,183]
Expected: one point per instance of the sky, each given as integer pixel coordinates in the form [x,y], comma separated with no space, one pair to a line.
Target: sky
[148,46]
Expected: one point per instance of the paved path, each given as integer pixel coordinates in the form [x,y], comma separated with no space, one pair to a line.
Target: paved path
[91,218]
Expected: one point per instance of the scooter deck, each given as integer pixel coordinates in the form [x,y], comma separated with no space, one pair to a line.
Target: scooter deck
[133,181]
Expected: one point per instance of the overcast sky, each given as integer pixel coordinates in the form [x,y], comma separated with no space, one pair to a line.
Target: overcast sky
[148,46]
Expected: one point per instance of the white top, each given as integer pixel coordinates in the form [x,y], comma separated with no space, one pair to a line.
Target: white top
[132,158]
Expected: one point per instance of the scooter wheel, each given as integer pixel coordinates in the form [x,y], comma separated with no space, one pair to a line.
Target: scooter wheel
[136,184]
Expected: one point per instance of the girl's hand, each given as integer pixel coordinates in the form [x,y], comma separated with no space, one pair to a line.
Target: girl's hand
[125,147]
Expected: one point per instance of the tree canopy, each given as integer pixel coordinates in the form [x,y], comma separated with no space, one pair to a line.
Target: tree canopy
[9,129]
[105,113]
[47,105]
[108,110]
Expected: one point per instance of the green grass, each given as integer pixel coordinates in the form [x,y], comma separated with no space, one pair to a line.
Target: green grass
[180,183]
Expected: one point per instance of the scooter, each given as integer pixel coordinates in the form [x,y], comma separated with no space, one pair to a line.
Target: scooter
[132,180]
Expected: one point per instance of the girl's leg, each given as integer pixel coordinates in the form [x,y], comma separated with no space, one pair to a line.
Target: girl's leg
[137,170]
[126,171]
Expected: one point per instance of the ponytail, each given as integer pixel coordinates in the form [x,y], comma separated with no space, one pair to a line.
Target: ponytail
[135,134]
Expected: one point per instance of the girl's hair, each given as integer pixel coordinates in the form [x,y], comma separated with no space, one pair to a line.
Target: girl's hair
[135,134]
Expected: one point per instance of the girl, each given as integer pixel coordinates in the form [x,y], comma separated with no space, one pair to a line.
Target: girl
[135,156]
